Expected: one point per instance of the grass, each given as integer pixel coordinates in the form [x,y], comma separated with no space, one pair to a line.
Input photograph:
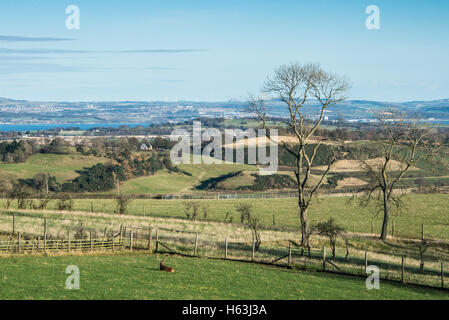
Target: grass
[166,182]
[428,209]
[244,179]
[62,166]
[179,235]
[137,276]
[161,182]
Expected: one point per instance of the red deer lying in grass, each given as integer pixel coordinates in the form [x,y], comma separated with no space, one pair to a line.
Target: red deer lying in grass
[162,265]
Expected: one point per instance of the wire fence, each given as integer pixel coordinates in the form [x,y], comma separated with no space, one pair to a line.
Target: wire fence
[406,269]
[39,245]
[403,269]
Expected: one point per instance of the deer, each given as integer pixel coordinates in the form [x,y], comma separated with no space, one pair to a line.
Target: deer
[162,265]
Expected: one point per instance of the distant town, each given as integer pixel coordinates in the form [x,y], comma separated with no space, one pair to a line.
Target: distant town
[133,113]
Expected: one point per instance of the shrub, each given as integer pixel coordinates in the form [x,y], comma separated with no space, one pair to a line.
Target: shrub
[65,203]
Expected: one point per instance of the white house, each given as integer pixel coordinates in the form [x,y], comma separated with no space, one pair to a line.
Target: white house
[145,147]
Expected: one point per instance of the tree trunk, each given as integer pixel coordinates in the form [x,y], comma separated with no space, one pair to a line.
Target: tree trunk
[304,227]
[383,235]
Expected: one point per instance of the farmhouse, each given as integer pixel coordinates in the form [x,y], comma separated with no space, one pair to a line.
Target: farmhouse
[145,147]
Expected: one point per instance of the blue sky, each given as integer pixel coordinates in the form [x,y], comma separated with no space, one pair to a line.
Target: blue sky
[218,50]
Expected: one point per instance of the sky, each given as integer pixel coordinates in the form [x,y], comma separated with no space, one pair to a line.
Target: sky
[218,50]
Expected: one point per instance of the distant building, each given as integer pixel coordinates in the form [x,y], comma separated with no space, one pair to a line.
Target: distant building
[145,147]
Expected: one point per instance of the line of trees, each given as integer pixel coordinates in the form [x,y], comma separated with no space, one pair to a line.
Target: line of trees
[16,151]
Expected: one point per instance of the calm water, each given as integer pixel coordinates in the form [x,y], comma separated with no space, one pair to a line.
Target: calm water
[34,127]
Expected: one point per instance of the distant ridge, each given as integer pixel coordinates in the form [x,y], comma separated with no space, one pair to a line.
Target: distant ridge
[17,112]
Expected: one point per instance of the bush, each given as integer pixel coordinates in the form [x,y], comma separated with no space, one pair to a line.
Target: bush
[330,230]
[65,203]
[122,204]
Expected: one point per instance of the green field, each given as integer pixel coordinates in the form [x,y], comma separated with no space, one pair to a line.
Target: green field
[62,166]
[137,276]
[169,182]
[428,209]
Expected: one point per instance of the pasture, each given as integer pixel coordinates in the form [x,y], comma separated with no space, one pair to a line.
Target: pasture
[164,182]
[137,276]
[428,209]
[62,166]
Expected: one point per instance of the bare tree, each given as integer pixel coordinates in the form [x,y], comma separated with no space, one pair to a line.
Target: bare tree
[245,210]
[192,209]
[23,195]
[423,245]
[297,86]
[331,230]
[65,202]
[402,143]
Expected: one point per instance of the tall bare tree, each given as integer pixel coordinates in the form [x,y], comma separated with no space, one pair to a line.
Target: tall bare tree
[297,86]
[402,143]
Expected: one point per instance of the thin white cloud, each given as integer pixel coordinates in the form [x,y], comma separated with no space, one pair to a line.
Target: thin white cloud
[67,51]
[32,39]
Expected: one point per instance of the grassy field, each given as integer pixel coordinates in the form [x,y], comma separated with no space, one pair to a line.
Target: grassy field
[430,209]
[62,166]
[167,182]
[137,276]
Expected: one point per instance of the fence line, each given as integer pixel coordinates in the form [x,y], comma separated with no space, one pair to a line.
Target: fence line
[192,244]
[362,228]
[38,244]
[289,255]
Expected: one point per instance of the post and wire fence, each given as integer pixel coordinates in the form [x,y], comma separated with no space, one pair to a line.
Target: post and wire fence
[284,253]
[288,254]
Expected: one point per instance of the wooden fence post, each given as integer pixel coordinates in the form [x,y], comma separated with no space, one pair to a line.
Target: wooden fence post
[403,270]
[226,248]
[45,234]
[131,240]
[91,241]
[196,245]
[422,231]
[113,244]
[372,227]
[253,249]
[18,242]
[353,226]
[121,234]
[305,262]
[68,241]
[149,239]
[324,258]
[157,240]
[442,275]
[13,223]
[392,228]
[289,254]
[366,261]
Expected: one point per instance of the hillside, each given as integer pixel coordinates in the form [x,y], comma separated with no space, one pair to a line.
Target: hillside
[62,166]
[170,182]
